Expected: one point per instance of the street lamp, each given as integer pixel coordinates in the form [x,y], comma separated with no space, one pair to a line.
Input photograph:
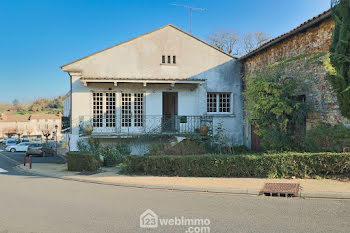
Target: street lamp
[56,127]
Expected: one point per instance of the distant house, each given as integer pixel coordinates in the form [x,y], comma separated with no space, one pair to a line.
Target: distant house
[29,125]
[312,37]
[165,82]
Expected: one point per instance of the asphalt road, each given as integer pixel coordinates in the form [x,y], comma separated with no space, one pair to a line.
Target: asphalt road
[19,156]
[39,204]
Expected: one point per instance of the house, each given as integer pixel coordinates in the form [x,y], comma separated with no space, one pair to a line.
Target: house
[313,38]
[165,82]
[29,125]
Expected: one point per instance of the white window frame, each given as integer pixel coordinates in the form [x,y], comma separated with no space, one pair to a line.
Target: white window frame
[108,114]
[136,108]
[218,103]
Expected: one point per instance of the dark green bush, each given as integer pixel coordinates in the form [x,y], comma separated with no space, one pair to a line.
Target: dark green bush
[325,137]
[82,161]
[286,165]
[185,147]
[113,155]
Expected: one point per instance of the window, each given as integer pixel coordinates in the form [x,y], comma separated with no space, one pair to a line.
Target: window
[224,102]
[97,109]
[211,102]
[110,110]
[219,102]
[104,109]
[168,61]
[138,109]
[132,109]
[126,109]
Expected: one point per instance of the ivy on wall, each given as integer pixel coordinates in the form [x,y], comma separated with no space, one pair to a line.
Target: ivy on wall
[274,105]
[339,55]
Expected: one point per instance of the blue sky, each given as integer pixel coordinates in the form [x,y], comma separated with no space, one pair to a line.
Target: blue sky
[38,36]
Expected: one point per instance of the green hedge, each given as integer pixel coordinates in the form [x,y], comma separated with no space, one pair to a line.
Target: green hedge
[300,165]
[82,161]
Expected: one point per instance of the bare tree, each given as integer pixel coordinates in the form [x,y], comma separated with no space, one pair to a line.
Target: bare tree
[237,44]
[251,41]
[19,132]
[30,130]
[9,131]
[225,40]
[46,133]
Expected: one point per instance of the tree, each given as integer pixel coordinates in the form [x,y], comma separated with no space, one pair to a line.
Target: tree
[273,105]
[46,133]
[225,40]
[19,132]
[339,55]
[237,44]
[30,130]
[253,40]
[36,108]
[15,102]
[9,131]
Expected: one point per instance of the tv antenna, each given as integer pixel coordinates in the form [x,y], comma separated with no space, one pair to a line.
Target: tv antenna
[190,8]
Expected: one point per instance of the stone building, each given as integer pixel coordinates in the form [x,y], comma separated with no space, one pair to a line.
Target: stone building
[30,125]
[309,41]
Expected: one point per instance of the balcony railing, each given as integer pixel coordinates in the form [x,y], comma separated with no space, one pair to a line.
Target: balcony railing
[139,125]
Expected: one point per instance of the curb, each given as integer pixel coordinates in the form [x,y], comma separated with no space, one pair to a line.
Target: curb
[304,195]
[157,187]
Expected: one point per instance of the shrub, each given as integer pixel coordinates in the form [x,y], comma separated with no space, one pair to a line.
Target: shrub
[325,137]
[264,165]
[91,145]
[82,161]
[274,105]
[113,155]
[185,147]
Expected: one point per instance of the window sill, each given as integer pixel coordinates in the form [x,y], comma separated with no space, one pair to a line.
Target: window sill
[167,64]
[220,114]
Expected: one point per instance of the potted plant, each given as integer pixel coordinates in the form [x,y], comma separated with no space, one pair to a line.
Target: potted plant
[88,129]
[203,131]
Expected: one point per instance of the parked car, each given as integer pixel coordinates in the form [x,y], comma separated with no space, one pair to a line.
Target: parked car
[11,142]
[25,140]
[3,140]
[40,149]
[19,147]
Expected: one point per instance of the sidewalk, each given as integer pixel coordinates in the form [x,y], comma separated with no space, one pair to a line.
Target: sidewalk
[310,188]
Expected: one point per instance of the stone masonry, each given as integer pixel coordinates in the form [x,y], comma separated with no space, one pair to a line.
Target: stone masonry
[314,38]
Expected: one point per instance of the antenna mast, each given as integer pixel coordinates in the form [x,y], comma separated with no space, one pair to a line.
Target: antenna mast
[190,8]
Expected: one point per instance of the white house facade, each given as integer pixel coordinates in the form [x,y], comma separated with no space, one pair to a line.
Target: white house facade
[164,82]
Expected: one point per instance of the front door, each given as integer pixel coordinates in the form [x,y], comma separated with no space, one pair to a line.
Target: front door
[169,119]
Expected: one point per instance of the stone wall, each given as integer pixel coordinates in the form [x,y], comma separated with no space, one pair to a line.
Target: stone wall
[319,95]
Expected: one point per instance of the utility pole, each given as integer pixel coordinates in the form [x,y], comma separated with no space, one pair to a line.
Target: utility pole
[190,8]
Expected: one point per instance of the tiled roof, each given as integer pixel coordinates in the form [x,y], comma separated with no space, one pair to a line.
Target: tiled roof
[24,118]
[309,23]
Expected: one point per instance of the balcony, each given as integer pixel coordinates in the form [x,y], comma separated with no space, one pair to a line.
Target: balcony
[133,126]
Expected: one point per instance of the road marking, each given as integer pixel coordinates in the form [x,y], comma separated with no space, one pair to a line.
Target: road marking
[3,170]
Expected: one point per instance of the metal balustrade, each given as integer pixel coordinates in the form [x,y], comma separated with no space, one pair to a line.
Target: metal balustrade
[145,124]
